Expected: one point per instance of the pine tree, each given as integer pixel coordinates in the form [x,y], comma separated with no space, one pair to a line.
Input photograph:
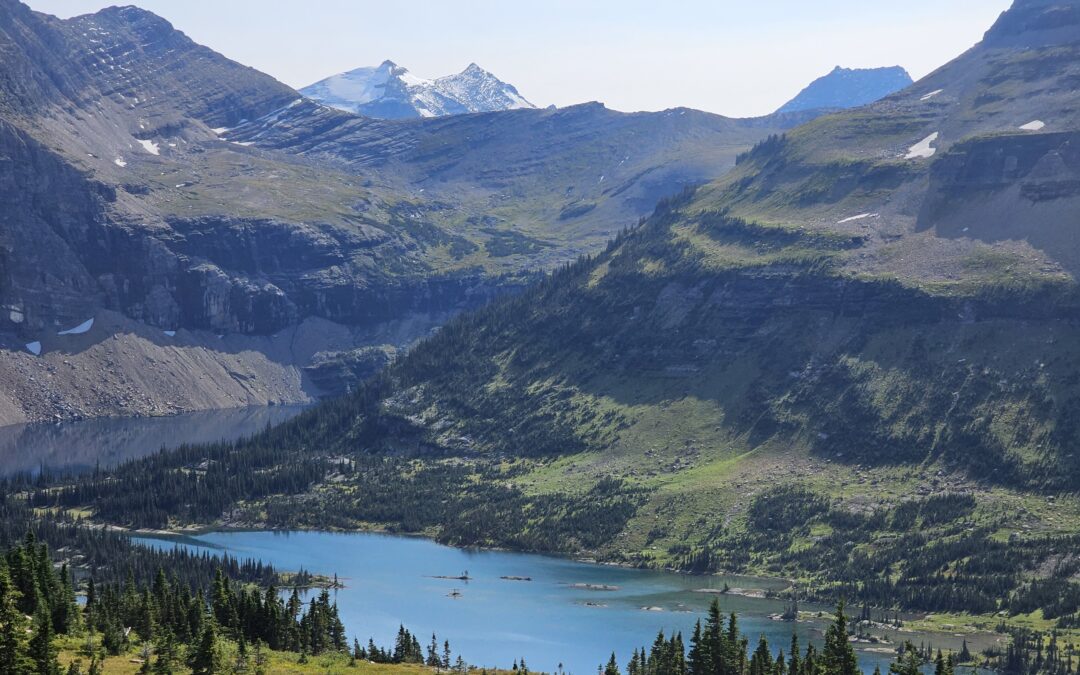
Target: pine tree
[166,655]
[13,657]
[838,656]
[612,666]
[695,660]
[965,654]
[42,651]
[761,661]
[208,658]
[907,661]
[433,652]
[794,665]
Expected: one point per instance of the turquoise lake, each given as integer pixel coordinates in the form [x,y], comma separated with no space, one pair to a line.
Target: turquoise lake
[554,618]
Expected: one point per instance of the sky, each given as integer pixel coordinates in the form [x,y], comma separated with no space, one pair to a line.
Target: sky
[737,58]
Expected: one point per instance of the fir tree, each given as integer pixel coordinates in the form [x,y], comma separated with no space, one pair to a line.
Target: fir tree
[13,658]
[838,656]
[42,651]
[612,667]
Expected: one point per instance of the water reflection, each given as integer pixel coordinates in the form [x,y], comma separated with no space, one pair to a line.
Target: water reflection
[26,448]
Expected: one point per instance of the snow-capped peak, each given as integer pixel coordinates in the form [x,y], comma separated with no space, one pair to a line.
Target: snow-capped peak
[390,91]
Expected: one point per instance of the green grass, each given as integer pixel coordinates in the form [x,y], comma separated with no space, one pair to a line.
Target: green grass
[277,663]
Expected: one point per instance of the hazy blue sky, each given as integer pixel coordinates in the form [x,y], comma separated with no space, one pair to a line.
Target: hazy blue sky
[743,57]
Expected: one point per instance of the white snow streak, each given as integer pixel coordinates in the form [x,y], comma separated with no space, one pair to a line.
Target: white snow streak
[858,217]
[83,327]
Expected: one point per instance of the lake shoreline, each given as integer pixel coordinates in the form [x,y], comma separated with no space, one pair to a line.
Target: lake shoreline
[746,591]
[382,570]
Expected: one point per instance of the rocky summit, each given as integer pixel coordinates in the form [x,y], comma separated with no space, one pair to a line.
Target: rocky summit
[848,88]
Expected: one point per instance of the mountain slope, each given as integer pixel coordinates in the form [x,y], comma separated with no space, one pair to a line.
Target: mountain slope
[159,188]
[848,88]
[389,91]
[761,378]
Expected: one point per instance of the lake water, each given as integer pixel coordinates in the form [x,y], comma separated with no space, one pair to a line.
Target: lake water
[112,440]
[552,619]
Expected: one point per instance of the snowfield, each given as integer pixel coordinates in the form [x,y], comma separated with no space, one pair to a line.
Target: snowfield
[922,149]
[150,147]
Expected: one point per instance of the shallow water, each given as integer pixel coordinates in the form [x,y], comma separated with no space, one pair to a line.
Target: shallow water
[552,619]
[25,448]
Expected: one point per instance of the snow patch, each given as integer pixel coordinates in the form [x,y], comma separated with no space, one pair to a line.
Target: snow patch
[220,130]
[119,161]
[83,327]
[170,333]
[927,97]
[922,149]
[150,147]
[34,348]
[861,216]
[1034,125]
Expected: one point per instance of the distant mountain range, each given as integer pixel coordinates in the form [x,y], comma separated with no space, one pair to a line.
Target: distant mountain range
[848,88]
[389,91]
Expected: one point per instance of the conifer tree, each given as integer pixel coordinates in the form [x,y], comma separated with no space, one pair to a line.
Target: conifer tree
[838,656]
[42,651]
[207,658]
[612,666]
[13,658]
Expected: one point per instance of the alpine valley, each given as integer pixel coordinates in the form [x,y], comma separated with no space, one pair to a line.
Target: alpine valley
[236,243]
[835,349]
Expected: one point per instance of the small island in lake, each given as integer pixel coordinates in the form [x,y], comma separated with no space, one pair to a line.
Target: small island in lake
[595,587]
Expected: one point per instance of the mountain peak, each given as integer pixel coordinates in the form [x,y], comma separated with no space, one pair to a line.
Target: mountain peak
[390,91]
[1036,22]
[848,88]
